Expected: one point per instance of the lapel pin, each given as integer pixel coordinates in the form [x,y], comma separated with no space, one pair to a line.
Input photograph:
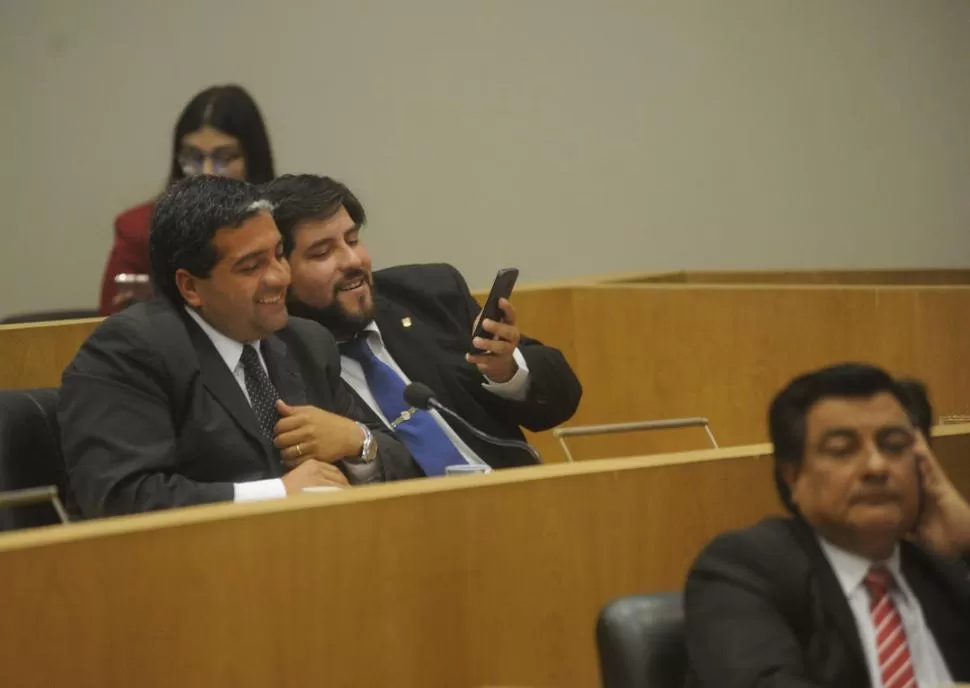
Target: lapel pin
[406,322]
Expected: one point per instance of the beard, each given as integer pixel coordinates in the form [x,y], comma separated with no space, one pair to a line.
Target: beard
[335,317]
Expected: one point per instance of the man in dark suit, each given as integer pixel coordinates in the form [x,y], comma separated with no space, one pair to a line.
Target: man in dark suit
[415,323]
[191,398]
[838,596]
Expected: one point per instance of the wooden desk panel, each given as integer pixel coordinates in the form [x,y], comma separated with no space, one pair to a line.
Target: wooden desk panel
[723,352]
[445,582]
[35,355]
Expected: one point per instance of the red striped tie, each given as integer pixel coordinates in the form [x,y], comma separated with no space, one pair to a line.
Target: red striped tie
[895,663]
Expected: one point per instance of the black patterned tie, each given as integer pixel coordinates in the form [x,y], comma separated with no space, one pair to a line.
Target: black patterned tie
[262,393]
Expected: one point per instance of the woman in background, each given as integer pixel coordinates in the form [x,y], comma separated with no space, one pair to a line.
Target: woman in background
[219,132]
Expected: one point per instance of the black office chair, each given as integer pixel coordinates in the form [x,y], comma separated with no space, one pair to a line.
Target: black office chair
[30,459]
[50,316]
[641,642]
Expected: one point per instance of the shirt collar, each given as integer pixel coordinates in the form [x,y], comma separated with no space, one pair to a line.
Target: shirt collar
[363,333]
[372,327]
[229,349]
[851,569]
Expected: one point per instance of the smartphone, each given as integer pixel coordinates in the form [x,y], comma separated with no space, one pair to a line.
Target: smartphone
[501,289]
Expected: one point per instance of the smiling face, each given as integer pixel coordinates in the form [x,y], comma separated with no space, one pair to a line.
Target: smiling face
[244,296]
[332,273]
[857,483]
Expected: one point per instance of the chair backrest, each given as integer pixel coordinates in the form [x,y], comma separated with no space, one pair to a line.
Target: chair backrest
[30,453]
[641,642]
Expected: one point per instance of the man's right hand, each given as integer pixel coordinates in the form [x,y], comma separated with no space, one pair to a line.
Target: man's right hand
[312,473]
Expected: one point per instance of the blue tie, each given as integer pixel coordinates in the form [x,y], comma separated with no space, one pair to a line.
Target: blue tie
[421,434]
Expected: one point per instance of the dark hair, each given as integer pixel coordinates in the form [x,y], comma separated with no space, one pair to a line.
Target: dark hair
[300,197]
[231,110]
[917,402]
[789,408]
[185,220]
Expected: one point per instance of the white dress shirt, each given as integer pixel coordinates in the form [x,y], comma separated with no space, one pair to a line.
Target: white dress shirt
[351,371]
[851,569]
[231,352]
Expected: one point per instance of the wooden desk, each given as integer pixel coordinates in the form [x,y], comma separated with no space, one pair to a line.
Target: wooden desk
[445,582]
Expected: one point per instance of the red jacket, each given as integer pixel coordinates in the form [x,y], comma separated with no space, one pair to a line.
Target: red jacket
[129,253]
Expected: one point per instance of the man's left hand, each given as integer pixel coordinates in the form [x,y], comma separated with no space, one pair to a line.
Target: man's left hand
[945,523]
[498,365]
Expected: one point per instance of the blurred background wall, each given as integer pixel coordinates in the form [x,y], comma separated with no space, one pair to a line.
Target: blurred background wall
[565,137]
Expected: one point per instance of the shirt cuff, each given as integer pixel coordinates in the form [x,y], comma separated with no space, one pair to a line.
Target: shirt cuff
[259,489]
[517,387]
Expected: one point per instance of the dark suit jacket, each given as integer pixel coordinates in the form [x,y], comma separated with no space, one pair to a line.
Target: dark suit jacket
[764,609]
[151,417]
[129,252]
[432,350]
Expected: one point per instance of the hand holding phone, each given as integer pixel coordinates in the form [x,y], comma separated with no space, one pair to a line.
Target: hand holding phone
[496,336]
[501,289]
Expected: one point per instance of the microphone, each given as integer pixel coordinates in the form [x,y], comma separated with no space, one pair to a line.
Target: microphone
[421,396]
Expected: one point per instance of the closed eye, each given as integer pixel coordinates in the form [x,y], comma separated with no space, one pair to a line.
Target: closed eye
[840,443]
[895,440]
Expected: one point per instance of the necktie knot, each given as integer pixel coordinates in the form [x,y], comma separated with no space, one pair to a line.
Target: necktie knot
[250,357]
[878,581]
[358,349]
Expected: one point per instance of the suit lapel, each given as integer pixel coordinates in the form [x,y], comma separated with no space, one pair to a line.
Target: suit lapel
[831,606]
[219,381]
[284,372]
[408,340]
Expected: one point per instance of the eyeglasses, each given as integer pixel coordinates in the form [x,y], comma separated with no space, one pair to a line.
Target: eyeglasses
[192,160]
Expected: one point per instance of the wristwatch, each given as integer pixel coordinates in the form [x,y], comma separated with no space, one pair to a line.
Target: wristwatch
[368,451]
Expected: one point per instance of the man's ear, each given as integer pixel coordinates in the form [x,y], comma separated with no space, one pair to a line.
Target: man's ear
[188,286]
